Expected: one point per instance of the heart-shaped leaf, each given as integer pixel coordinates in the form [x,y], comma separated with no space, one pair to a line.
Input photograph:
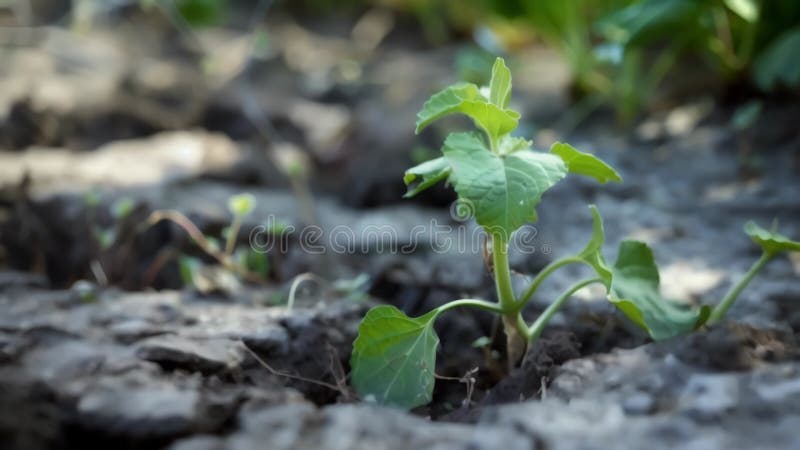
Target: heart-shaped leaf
[425,175]
[635,291]
[504,190]
[394,357]
[770,241]
[585,163]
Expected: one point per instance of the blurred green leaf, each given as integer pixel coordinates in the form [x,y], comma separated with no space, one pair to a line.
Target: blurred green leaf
[746,9]
[253,261]
[188,266]
[106,237]
[746,115]
[122,208]
[201,13]
[777,64]
[593,252]
[771,242]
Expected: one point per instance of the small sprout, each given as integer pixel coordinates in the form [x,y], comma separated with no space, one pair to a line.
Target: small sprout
[189,268]
[241,205]
[92,199]
[291,160]
[105,237]
[253,261]
[122,208]
[85,290]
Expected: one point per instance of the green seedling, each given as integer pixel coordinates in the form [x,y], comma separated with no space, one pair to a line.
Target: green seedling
[246,263]
[503,178]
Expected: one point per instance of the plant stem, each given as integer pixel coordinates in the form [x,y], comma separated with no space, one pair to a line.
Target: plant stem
[513,325]
[233,234]
[502,275]
[542,275]
[731,296]
[199,238]
[536,329]
[471,302]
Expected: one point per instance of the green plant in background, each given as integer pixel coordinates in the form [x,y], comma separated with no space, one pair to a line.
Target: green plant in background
[772,244]
[246,263]
[503,179]
[197,13]
[619,52]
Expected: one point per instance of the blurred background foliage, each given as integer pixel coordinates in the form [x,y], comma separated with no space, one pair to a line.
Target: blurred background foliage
[619,52]
[627,54]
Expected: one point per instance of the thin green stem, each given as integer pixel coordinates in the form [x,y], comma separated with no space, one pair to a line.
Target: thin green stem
[233,233]
[513,324]
[502,275]
[723,306]
[542,275]
[538,326]
[471,302]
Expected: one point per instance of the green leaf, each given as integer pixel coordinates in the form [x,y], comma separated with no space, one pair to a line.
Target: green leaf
[635,291]
[394,357]
[241,204]
[200,13]
[254,261]
[778,63]
[746,9]
[122,208]
[500,85]
[465,98]
[585,163]
[447,101]
[593,253]
[490,118]
[770,241]
[425,175]
[648,20]
[503,190]
[511,144]
[188,267]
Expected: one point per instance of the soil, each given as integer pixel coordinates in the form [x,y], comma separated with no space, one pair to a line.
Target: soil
[136,359]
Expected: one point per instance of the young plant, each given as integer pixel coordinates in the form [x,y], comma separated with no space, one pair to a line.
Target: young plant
[394,356]
[246,263]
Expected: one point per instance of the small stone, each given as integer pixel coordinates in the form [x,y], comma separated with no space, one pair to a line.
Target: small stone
[639,403]
[199,443]
[708,397]
[132,330]
[159,411]
[202,355]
